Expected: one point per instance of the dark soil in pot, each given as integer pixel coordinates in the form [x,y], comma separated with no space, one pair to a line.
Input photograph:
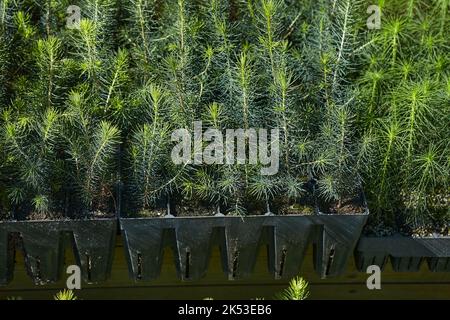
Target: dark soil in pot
[297,209]
[193,209]
[148,213]
[430,231]
[377,227]
[59,211]
[97,215]
[248,207]
[5,215]
[303,206]
[57,216]
[348,205]
[181,210]
[44,216]
[257,208]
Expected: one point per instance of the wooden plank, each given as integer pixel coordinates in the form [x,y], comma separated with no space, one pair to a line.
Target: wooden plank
[420,285]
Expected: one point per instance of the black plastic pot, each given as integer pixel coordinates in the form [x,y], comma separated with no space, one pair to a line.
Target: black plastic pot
[335,241]
[6,255]
[243,238]
[287,239]
[406,253]
[337,236]
[43,244]
[193,244]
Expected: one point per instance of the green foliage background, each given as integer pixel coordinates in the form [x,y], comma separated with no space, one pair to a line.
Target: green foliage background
[86,112]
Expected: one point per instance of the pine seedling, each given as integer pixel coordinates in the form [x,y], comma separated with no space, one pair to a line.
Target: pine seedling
[52,15]
[4,11]
[407,130]
[92,146]
[149,173]
[92,42]
[22,35]
[65,295]
[297,290]
[222,186]
[339,179]
[417,109]
[182,71]
[23,25]
[103,13]
[244,115]
[273,51]
[223,40]
[219,185]
[372,82]
[293,188]
[283,102]
[393,37]
[264,189]
[48,54]
[5,47]
[106,72]
[114,81]
[32,146]
[202,185]
[342,28]
[234,186]
[244,75]
[88,50]
[147,156]
[6,18]
[269,25]
[336,149]
[441,8]
[4,59]
[141,33]
[350,101]
[429,174]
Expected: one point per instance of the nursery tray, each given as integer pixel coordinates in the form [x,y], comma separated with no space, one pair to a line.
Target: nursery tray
[43,244]
[335,241]
[286,237]
[406,253]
